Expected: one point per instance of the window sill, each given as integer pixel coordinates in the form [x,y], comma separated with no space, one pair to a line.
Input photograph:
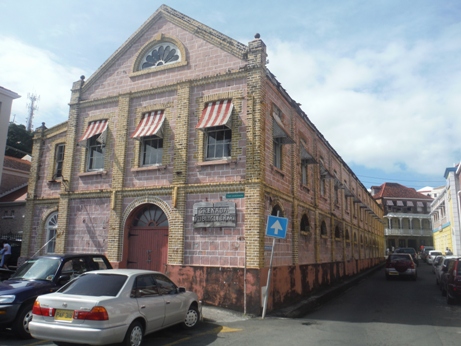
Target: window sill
[92,173]
[278,170]
[305,188]
[215,162]
[148,168]
[305,233]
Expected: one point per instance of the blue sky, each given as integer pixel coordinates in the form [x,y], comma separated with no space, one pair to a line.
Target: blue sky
[380,79]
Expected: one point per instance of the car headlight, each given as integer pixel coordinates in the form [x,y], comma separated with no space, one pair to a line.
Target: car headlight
[7,299]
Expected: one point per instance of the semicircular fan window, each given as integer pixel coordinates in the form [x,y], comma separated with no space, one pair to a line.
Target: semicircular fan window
[161,54]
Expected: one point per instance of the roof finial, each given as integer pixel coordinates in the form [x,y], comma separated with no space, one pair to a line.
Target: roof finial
[257,35]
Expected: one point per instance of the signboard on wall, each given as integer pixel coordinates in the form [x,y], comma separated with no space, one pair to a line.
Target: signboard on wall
[219,214]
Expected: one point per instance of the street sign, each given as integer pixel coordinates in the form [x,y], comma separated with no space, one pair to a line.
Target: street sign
[276,227]
[235,195]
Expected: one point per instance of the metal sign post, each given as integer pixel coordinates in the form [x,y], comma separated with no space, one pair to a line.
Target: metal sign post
[276,228]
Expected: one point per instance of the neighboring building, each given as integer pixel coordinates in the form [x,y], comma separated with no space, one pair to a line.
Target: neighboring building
[13,192]
[407,214]
[432,192]
[445,213]
[176,151]
[6,101]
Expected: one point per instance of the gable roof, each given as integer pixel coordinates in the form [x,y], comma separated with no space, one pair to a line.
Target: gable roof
[203,31]
[397,191]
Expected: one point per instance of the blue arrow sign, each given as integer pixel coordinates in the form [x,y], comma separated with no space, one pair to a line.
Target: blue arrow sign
[276,227]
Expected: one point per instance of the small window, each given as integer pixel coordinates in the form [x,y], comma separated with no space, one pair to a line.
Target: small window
[323,229]
[304,173]
[51,232]
[337,232]
[278,153]
[218,142]
[277,211]
[59,160]
[95,154]
[152,150]
[305,226]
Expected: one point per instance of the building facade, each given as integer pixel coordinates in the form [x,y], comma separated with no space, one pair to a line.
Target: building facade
[445,213]
[6,102]
[407,215]
[176,151]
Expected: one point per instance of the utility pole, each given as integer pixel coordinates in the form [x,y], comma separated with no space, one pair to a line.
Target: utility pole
[32,107]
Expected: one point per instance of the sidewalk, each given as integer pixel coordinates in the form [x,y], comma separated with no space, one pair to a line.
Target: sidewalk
[217,314]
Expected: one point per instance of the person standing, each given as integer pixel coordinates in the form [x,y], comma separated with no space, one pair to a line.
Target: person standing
[6,251]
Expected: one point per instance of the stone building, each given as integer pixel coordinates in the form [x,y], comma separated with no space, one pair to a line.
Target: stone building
[176,151]
[407,215]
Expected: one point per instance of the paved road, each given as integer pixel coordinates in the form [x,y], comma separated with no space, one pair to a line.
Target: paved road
[373,312]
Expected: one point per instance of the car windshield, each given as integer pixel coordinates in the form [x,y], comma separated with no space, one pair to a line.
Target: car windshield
[95,285]
[37,269]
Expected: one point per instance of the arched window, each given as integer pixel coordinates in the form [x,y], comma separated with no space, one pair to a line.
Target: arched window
[150,216]
[337,232]
[277,211]
[347,235]
[323,229]
[163,53]
[51,232]
[305,226]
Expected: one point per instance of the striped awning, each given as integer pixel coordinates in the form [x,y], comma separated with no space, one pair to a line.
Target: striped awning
[389,203]
[410,204]
[216,113]
[150,125]
[93,129]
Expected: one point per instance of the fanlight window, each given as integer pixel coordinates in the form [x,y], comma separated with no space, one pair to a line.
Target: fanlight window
[150,216]
[161,54]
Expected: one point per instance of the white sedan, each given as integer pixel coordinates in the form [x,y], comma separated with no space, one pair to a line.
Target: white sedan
[113,306]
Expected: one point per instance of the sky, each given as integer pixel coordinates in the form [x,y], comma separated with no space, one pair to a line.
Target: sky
[381,79]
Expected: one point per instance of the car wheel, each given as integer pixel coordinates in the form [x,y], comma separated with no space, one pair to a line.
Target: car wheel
[192,318]
[21,323]
[134,335]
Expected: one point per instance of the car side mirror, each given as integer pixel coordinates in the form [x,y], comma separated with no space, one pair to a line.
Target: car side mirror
[63,279]
[181,289]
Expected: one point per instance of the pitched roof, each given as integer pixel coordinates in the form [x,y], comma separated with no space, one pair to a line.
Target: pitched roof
[203,31]
[15,175]
[395,190]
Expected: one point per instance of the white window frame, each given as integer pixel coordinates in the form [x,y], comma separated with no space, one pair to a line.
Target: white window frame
[151,157]
[92,147]
[59,159]
[51,232]
[224,143]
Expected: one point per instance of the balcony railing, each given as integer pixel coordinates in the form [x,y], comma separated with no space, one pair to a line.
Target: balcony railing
[408,232]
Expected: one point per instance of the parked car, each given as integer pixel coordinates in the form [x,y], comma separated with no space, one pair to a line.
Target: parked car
[40,275]
[437,262]
[439,271]
[113,306]
[400,265]
[425,251]
[409,250]
[450,280]
[432,255]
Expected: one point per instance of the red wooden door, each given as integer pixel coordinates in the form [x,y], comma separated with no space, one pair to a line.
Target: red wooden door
[148,239]
[148,248]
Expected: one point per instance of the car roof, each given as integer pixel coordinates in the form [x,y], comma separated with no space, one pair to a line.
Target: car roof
[66,256]
[128,272]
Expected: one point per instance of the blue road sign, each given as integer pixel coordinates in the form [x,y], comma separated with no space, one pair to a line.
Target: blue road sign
[276,227]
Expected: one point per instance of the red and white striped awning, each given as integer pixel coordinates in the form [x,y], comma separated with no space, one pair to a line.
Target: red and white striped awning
[94,128]
[150,125]
[216,113]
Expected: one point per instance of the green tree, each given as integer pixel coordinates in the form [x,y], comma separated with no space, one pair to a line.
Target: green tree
[19,141]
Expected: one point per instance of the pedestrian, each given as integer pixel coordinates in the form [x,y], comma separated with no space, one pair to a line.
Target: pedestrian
[6,252]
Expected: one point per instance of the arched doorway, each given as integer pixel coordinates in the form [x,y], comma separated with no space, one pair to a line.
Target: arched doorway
[148,238]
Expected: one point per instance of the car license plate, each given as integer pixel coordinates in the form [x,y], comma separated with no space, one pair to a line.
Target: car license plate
[393,273]
[64,315]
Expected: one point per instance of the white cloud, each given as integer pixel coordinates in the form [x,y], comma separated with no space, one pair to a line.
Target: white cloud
[393,108]
[25,70]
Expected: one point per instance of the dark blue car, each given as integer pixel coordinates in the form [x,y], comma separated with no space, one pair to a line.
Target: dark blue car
[37,276]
